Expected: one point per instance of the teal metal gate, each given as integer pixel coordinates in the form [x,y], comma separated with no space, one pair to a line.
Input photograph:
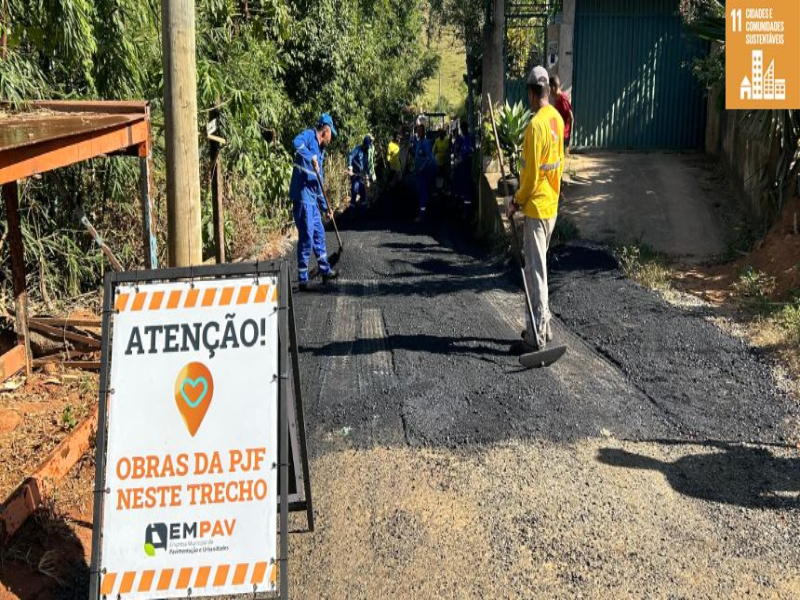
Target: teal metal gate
[632,86]
[524,43]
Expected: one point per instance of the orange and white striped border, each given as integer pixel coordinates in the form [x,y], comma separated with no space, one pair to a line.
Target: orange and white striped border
[196,298]
[187,577]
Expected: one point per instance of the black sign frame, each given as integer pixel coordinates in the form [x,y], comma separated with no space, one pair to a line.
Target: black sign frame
[294,495]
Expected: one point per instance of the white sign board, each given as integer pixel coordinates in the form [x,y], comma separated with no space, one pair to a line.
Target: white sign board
[191,460]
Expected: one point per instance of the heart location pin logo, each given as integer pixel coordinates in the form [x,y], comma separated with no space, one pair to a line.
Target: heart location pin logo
[194,389]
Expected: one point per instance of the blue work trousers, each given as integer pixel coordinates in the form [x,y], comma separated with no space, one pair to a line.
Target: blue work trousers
[357,188]
[423,188]
[310,235]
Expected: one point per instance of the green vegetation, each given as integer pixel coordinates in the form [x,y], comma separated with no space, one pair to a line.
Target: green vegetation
[451,68]
[566,229]
[754,286]
[266,64]
[788,317]
[512,121]
[68,418]
[645,266]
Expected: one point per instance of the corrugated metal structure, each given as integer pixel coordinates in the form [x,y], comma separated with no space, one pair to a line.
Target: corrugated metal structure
[633,87]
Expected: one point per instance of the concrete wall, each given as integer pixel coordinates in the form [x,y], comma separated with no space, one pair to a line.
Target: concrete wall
[560,38]
[744,158]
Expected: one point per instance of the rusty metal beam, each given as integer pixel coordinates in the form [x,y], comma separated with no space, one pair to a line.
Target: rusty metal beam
[19,163]
[24,501]
[109,107]
[63,334]
[15,250]
[12,362]
[69,322]
[88,365]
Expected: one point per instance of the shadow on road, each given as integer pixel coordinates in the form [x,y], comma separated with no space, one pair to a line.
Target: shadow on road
[421,342]
[728,473]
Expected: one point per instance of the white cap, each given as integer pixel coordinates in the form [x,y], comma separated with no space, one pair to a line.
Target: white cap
[539,76]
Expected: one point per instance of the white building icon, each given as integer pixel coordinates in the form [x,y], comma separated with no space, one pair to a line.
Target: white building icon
[762,86]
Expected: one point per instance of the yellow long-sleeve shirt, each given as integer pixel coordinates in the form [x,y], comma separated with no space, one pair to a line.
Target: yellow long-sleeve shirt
[441,151]
[393,155]
[542,164]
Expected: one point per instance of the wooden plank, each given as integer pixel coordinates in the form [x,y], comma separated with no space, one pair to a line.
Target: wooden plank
[148,220]
[12,362]
[63,334]
[68,322]
[30,160]
[217,194]
[24,501]
[89,365]
[15,249]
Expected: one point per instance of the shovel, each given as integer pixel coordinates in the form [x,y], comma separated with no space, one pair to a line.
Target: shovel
[333,258]
[539,358]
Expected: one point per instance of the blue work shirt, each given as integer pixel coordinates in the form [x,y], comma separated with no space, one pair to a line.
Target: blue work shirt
[304,186]
[464,146]
[423,156]
[359,160]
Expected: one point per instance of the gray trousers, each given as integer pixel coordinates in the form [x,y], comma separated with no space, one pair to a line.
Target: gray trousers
[537,241]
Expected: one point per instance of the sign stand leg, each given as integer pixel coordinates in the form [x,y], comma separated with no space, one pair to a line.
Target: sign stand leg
[100,443]
[283,421]
[301,421]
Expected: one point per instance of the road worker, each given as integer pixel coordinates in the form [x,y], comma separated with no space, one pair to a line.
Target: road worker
[441,152]
[393,158]
[307,198]
[361,171]
[424,164]
[563,105]
[463,166]
[540,183]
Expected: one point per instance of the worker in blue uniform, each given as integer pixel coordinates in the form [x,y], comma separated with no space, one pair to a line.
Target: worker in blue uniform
[361,171]
[463,168]
[424,167]
[307,198]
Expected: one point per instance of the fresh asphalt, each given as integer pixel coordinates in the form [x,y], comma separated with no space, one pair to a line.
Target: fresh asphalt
[410,347]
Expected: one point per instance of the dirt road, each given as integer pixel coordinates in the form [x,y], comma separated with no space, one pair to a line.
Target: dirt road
[655,460]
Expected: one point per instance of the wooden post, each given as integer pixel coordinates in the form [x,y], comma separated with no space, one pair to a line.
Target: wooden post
[11,197]
[217,193]
[148,230]
[184,239]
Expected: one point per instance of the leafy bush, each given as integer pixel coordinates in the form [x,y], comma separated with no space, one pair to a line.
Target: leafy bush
[645,266]
[512,121]
[754,285]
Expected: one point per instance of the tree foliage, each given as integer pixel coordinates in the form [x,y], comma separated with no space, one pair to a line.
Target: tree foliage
[264,65]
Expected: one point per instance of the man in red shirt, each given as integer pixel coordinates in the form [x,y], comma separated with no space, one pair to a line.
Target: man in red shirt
[564,107]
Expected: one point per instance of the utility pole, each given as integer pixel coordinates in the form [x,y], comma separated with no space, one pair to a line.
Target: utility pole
[184,239]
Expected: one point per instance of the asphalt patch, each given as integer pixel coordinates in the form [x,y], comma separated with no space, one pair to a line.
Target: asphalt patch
[710,384]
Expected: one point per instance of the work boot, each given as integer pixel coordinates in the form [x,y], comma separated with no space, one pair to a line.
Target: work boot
[521,347]
[302,286]
[329,276]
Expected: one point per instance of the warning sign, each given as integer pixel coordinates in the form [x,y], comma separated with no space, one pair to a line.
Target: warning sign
[191,463]
[762,46]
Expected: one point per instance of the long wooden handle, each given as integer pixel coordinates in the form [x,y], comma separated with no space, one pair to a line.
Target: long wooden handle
[328,202]
[514,237]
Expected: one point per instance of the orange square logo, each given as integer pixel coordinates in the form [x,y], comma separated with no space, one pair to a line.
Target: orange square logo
[762,54]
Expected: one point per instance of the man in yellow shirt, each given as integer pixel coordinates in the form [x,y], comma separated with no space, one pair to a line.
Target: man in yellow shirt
[393,157]
[540,185]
